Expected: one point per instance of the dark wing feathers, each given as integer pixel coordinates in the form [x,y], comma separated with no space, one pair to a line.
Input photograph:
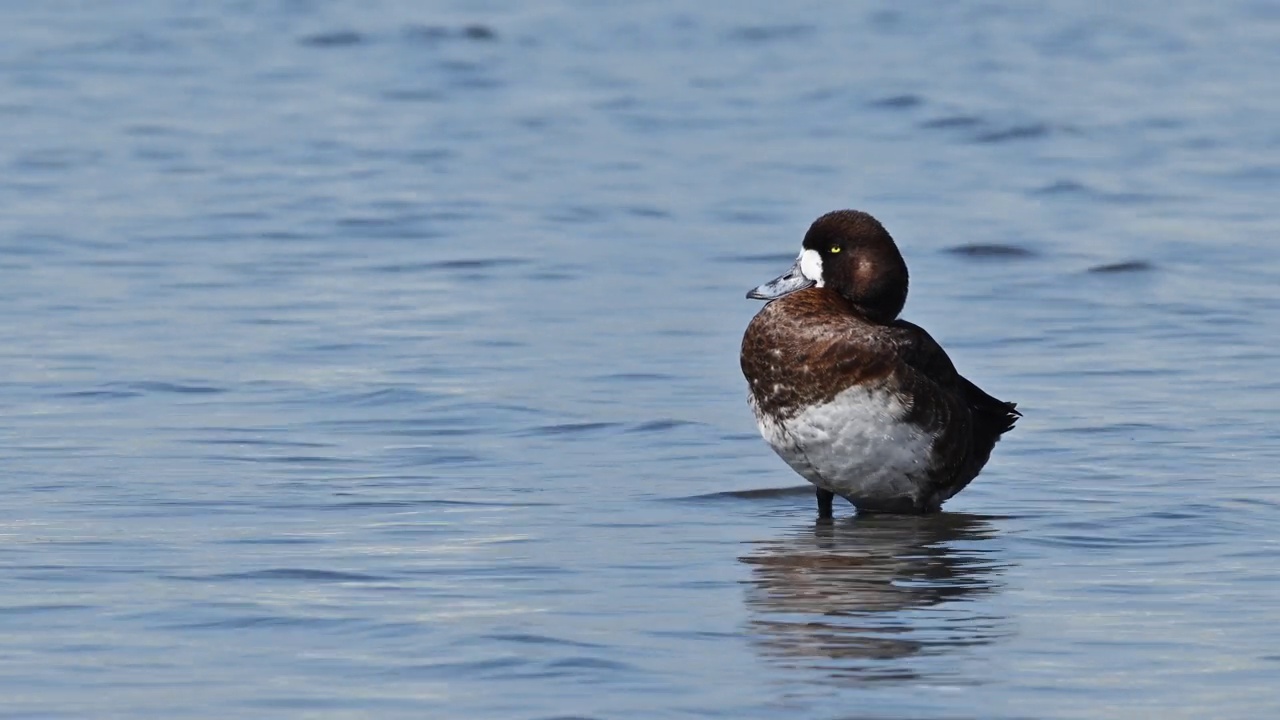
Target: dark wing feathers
[920,351]
[963,452]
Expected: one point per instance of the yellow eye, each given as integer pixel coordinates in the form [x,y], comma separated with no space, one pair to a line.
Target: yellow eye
[835,249]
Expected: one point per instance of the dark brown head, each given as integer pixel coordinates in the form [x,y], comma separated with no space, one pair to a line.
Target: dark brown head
[851,253]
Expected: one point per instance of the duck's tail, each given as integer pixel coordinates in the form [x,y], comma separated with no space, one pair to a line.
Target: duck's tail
[993,417]
[1006,416]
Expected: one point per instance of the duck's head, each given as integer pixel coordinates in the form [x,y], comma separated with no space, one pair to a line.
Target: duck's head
[850,253]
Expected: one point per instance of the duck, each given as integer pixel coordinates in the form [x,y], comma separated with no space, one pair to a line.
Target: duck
[858,401]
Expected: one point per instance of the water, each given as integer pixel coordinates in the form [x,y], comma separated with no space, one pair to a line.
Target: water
[380,359]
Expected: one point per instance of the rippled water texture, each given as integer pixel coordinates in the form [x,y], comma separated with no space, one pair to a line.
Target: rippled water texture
[380,359]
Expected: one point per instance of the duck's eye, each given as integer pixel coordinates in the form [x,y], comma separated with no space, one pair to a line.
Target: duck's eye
[835,249]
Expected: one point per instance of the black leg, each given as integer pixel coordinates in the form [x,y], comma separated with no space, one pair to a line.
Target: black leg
[824,503]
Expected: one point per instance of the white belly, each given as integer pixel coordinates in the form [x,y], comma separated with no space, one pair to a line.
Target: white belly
[857,445]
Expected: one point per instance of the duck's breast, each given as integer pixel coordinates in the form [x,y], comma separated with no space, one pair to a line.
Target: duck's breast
[857,444]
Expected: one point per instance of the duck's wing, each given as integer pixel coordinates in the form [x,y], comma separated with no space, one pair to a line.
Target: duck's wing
[917,349]
[969,421]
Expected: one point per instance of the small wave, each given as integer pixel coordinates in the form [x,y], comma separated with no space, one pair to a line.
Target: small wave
[771,259]
[335,38]
[1015,132]
[756,494]
[991,250]
[571,428]
[951,122]
[430,34]
[305,574]
[1128,266]
[767,33]
[659,425]
[149,386]
[898,102]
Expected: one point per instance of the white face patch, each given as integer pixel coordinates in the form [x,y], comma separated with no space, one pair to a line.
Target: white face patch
[811,266]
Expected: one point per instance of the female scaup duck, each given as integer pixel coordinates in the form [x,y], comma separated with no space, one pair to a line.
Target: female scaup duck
[862,404]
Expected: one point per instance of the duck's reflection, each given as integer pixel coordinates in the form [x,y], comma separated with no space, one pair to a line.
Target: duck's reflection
[857,597]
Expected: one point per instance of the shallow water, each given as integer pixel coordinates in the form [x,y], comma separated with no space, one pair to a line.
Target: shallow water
[380,359]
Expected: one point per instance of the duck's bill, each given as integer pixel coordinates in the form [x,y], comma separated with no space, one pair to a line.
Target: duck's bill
[792,281]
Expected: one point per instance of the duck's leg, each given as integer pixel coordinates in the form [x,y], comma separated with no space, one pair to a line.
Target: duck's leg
[824,503]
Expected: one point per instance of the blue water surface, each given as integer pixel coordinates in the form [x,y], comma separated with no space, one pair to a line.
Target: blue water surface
[379,359]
